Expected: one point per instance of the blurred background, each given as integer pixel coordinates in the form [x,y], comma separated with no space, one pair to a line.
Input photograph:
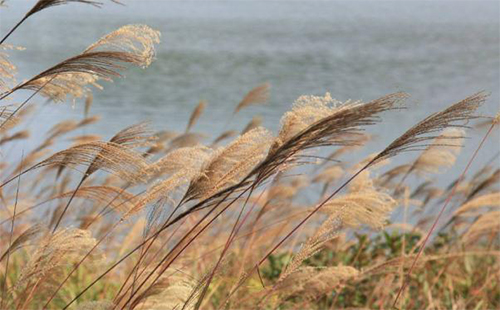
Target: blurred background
[437,51]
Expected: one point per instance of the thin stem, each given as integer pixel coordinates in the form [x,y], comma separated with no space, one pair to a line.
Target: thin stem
[448,199]
[69,202]
[314,212]
[300,225]
[14,29]
[25,101]
[88,253]
[164,259]
[4,288]
[230,239]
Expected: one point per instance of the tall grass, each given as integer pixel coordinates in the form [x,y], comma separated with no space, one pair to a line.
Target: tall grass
[157,220]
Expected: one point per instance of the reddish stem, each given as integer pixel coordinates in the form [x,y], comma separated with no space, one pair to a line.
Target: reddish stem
[447,201]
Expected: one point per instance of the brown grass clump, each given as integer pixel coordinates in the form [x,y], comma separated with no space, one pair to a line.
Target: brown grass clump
[164,220]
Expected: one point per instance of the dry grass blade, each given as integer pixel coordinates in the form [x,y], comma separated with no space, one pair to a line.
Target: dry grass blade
[186,140]
[196,114]
[85,139]
[438,156]
[182,165]
[88,121]
[329,174]
[258,95]
[61,128]
[163,189]
[126,139]
[108,156]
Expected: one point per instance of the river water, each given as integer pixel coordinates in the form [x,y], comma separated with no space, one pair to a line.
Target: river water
[437,51]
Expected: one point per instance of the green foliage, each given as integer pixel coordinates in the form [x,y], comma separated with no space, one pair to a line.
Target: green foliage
[366,250]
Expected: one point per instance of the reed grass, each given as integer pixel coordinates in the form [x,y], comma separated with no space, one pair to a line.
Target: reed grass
[159,220]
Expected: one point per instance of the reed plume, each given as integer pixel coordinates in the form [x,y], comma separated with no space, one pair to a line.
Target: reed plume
[258,95]
[132,44]
[307,127]
[224,136]
[195,115]
[88,103]
[487,224]
[170,293]
[97,155]
[25,237]
[163,203]
[96,305]
[41,5]
[44,4]
[492,199]
[117,198]
[7,118]
[229,165]
[417,137]
[49,260]
[327,231]
[438,156]
[7,69]
[308,283]
[21,135]
[181,165]
[254,123]
[191,157]
[363,205]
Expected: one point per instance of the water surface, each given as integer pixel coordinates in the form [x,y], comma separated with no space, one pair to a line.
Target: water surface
[437,51]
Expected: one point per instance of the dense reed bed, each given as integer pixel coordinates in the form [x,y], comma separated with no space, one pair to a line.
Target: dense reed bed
[176,220]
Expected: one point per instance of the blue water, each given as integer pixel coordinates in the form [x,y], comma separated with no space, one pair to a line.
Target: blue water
[437,51]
